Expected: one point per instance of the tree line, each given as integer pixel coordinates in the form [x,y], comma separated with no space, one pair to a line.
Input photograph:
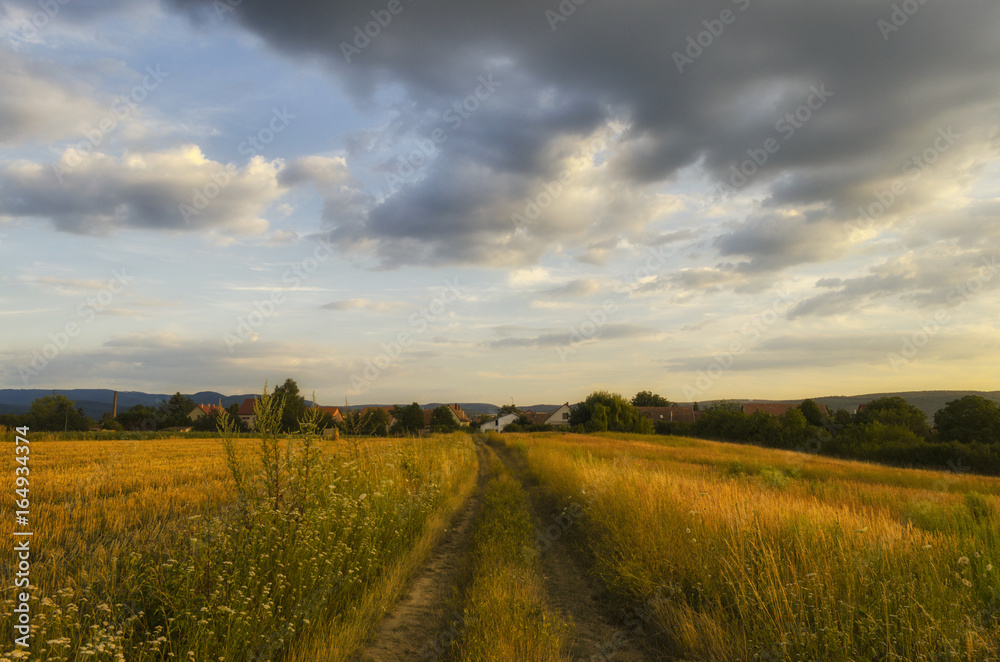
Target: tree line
[965,435]
[58,413]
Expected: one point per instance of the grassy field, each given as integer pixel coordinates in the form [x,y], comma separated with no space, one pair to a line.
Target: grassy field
[141,553]
[142,550]
[743,553]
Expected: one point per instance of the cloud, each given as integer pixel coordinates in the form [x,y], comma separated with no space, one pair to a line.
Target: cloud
[575,289]
[548,340]
[942,277]
[867,350]
[362,304]
[176,189]
[776,242]
[38,104]
[150,360]
[883,101]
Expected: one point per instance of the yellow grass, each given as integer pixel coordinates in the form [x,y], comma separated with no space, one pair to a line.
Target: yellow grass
[748,553]
[139,552]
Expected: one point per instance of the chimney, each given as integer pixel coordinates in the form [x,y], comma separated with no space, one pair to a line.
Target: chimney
[114,406]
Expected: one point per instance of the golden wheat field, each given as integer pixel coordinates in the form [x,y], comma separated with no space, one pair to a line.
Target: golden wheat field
[174,549]
[743,553]
[142,551]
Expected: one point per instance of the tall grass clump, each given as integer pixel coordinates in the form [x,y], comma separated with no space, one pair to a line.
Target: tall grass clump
[505,616]
[779,557]
[236,550]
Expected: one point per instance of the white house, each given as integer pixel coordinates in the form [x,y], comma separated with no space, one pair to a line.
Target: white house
[499,423]
[559,416]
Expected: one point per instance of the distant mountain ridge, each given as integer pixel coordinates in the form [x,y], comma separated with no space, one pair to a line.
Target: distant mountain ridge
[96,401]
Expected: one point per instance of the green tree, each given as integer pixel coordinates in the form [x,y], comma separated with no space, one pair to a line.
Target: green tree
[174,412]
[969,419]
[409,419]
[842,417]
[508,409]
[108,422]
[55,413]
[894,410]
[620,414]
[373,422]
[141,418]
[794,428]
[295,405]
[599,418]
[812,412]
[650,399]
[443,420]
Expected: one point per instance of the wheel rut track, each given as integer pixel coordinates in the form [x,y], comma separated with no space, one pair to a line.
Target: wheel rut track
[575,594]
[417,619]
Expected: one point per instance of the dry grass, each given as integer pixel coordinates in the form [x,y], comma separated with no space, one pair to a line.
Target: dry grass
[749,553]
[139,554]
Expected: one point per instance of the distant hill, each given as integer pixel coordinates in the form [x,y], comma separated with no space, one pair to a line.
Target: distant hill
[95,402]
[929,402]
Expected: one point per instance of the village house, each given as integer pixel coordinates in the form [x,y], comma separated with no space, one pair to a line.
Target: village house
[334,412]
[499,423]
[670,414]
[245,413]
[201,411]
[559,417]
[460,417]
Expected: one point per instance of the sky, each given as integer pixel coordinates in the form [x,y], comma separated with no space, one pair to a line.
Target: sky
[406,200]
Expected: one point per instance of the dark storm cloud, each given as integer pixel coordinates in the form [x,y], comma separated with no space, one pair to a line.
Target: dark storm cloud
[842,99]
